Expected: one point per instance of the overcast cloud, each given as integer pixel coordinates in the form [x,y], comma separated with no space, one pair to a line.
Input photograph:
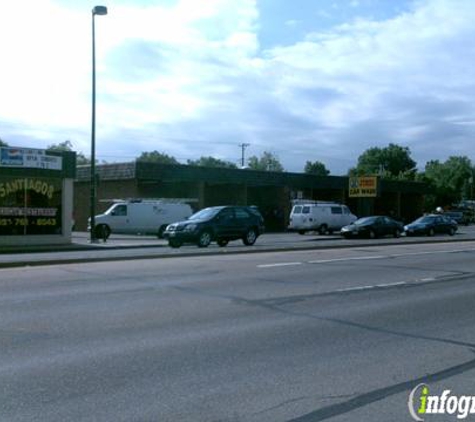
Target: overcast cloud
[316,81]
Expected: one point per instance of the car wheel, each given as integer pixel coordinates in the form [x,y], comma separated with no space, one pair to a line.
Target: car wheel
[161,230]
[223,242]
[174,243]
[397,233]
[372,234]
[301,231]
[451,231]
[250,237]
[102,231]
[431,232]
[204,240]
[323,229]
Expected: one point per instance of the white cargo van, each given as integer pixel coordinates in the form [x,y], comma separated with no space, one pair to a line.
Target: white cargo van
[140,216]
[324,217]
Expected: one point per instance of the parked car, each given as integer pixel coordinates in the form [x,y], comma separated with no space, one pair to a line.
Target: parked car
[221,224]
[430,225]
[145,216]
[460,216]
[373,227]
[457,216]
[324,217]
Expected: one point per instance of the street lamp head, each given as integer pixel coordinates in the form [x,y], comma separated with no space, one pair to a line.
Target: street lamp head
[99,10]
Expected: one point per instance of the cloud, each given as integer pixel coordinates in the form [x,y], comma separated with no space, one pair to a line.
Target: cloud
[423,56]
[189,78]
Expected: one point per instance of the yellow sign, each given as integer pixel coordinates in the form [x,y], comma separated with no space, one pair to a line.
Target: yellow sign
[39,186]
[363,187]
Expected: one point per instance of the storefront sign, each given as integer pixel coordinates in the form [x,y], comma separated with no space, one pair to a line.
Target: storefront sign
[15,185]
[363,187]
[30,206]
[29,158]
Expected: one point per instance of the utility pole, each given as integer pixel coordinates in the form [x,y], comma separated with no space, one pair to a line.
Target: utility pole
[243,147]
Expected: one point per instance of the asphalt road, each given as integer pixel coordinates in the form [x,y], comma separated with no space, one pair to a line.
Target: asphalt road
[340,335]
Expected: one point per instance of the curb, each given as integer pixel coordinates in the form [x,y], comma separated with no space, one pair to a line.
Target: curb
[202,252]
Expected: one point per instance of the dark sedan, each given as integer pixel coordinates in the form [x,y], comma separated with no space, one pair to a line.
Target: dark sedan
[373,227]
[429,225]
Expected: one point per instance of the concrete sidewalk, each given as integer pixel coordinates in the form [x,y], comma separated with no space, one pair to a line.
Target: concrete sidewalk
[80,241]
[127,247]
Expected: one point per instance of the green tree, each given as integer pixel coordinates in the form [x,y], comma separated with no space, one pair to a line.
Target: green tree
[211,162]
[450,180]
[317,168]
[68,146]
[266,162]
[156,157]
[3,144]
[393,161]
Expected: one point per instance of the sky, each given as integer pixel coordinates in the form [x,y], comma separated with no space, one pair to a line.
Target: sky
[306,80]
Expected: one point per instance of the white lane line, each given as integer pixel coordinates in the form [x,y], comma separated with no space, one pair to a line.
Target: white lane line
[398,255]
[363,258]
[360,288]
[427,279]
[354,289]
[279,264]
[357,258]
[399,283]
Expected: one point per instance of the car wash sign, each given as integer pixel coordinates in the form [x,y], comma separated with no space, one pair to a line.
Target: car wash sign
[363,187]
[29,158]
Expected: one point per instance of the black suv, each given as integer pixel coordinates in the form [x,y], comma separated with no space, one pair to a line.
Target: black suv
[220,224]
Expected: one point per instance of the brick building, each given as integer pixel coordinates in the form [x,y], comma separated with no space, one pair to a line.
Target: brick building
[272,192]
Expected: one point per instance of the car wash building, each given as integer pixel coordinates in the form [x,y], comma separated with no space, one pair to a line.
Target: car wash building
[272,192]
[36,196]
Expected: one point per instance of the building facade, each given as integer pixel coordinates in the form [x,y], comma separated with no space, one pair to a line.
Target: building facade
[272,192]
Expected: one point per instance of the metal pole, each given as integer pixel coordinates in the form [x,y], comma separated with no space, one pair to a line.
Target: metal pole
[101,11]
[93,138]
[243,147]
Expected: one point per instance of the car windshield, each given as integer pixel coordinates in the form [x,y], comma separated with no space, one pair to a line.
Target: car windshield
[364,220]
[205,214]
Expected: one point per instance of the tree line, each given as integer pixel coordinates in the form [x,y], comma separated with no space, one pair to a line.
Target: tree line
[449,181]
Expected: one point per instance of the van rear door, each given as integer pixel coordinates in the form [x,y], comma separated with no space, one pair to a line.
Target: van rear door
[298,218]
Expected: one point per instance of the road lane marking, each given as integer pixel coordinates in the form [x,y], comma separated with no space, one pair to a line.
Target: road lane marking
[279,264]
[357,258]
[364,258]
[355,289]
[398,283]
[430,252]
[369,287]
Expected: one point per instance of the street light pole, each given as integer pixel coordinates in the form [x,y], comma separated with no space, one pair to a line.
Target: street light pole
[97,10]
[243,147]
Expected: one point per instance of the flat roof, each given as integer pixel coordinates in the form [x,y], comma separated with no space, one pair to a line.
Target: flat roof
[145,171]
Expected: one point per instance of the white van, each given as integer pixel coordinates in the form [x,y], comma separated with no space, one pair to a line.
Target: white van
[140,216]
[324,217]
